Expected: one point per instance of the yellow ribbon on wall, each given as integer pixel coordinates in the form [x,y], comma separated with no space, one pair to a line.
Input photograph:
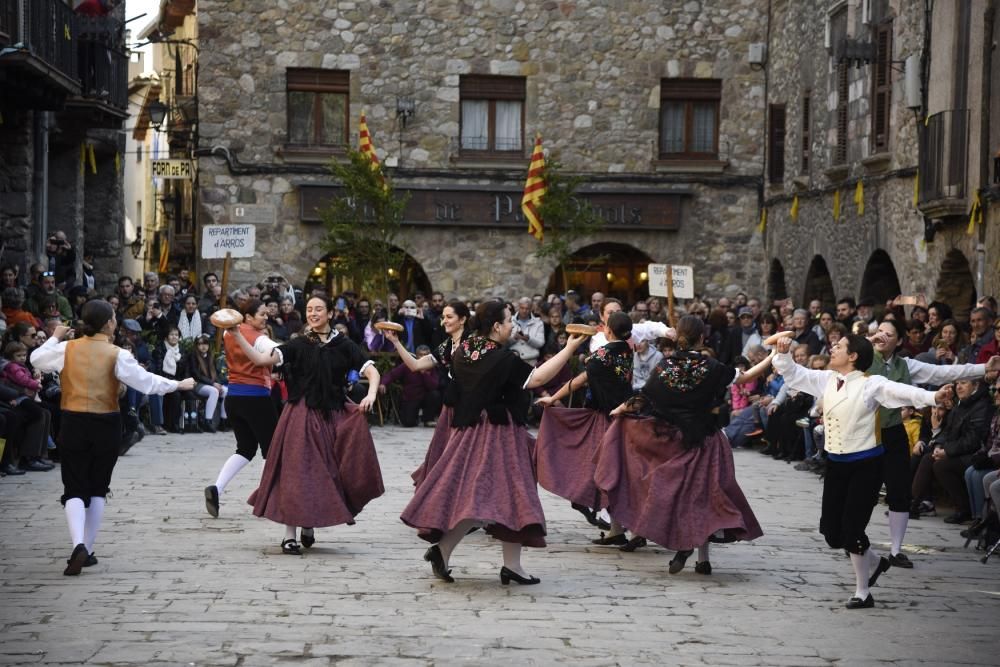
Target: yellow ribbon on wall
[975,215]
[793,212]
[92,157]
[859,198]
[763,221]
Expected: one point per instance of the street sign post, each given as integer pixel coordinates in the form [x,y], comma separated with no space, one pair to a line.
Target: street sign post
[680,285]
[236,240]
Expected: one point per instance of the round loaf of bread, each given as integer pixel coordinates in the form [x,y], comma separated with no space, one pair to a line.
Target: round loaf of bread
[388,326]
[226,318]
[773,339]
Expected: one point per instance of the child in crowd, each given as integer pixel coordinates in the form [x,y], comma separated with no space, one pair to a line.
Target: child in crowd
[15,371]
[739,394]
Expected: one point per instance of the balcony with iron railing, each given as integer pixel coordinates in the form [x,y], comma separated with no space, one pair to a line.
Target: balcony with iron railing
[943,164]
[38,66]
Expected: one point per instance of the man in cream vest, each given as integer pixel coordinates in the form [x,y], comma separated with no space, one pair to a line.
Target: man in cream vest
[851,400]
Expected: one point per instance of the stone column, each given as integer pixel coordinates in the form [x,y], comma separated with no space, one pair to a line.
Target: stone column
[104,216]
[16,167]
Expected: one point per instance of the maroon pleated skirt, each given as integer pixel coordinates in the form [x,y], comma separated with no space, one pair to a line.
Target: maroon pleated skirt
[485,474]
[435,447]
[676,497]
[321,468]
[567,443]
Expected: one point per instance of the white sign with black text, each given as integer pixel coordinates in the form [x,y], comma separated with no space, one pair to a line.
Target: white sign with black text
[238,240]
[683,279]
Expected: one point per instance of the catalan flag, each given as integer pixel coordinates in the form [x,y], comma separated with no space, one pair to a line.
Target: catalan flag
[366,146]
[534,191]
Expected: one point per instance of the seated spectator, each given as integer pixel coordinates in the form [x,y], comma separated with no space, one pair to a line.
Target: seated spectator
[980,335]
[950,452]
[739,394]
[169,362]
[189,320]
[992,347]
[200,363]
[14,373]
[47,290]
[13,312]
[783,434]
[946,345]
[644,360]
[985,460]
[144,358]
[156,321]
[420,395]
[836,331]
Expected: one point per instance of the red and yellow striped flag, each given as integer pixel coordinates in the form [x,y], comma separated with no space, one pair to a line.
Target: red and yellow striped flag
[367,148]
[534,191]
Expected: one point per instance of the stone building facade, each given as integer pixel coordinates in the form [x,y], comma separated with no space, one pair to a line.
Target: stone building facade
[64,97]
[895,138]
[599,81]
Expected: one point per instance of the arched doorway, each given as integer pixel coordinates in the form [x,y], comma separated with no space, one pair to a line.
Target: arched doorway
[404,281]
[819,285]
[879,281]
[776,282]
[956,285]
[616,269]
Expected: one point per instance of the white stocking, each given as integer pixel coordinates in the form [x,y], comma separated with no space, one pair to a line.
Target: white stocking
[453,537]
[512,557]
[289,532]
[616,529]
[93,524]
[76,519]
[703,553]
[897,530]
[862,570]
[233,465]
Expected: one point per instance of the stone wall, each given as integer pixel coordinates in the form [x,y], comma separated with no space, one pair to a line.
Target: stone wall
[16,167]
[593,76]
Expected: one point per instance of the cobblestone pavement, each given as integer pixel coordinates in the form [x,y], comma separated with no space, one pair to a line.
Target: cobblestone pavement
[176,587]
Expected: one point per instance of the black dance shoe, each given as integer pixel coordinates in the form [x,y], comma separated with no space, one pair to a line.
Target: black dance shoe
[434,556]
[703,567]
[858,603]
[507,576]
[900,560]
[212,500]
[290,547]
[91,561]
[678,561]
[591,516]
[636,542]
[76,560]
[307,537]
[883,566]
[618,540]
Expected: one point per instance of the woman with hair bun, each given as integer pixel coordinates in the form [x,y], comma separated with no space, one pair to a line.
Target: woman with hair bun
[454,318]
[568,437]
[484,475]
[669,474]
[91,369]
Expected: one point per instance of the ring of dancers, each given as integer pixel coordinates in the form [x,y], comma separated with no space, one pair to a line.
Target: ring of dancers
[669,474]
[454,318]
[568,437]
[851,401]
[321,468]
[896,462]
[249,406]
[484,476]
[91,369]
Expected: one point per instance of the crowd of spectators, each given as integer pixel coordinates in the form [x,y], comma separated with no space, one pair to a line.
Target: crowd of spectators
[165,322]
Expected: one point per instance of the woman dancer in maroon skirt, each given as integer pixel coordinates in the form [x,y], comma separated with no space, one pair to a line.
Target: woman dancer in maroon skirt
[669,476]
[455,316]
[484,476]
[321,468]
[568,437]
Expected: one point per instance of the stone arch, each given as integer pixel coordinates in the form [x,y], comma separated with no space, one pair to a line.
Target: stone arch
[819,284]
[776,288]
[956,285]
[410,277]
[879,281]
[616,269]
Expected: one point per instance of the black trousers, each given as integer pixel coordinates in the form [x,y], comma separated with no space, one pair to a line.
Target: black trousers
[88,445]
[253,419]
[896,468]
[429,406]
[850,492]
[950,473]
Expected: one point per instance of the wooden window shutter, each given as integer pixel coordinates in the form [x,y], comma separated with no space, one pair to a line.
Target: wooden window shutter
[806,131]
[318,80]
[690,89]
[491,87]
[776,143]
[840,151]
[882,88]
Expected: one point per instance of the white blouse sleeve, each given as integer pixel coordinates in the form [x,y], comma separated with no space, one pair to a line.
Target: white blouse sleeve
[938,374]
[265,345]
[881,391]
[796,377]
[128,370]
[49,357]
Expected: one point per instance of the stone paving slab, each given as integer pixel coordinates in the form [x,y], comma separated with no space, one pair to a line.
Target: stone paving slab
[176,587]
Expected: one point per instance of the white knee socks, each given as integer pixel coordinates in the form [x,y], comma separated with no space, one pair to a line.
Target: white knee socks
[703,553]
[76,519]
[897,530]
[289,532]
[862,570]
[93,523]
[233,465]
